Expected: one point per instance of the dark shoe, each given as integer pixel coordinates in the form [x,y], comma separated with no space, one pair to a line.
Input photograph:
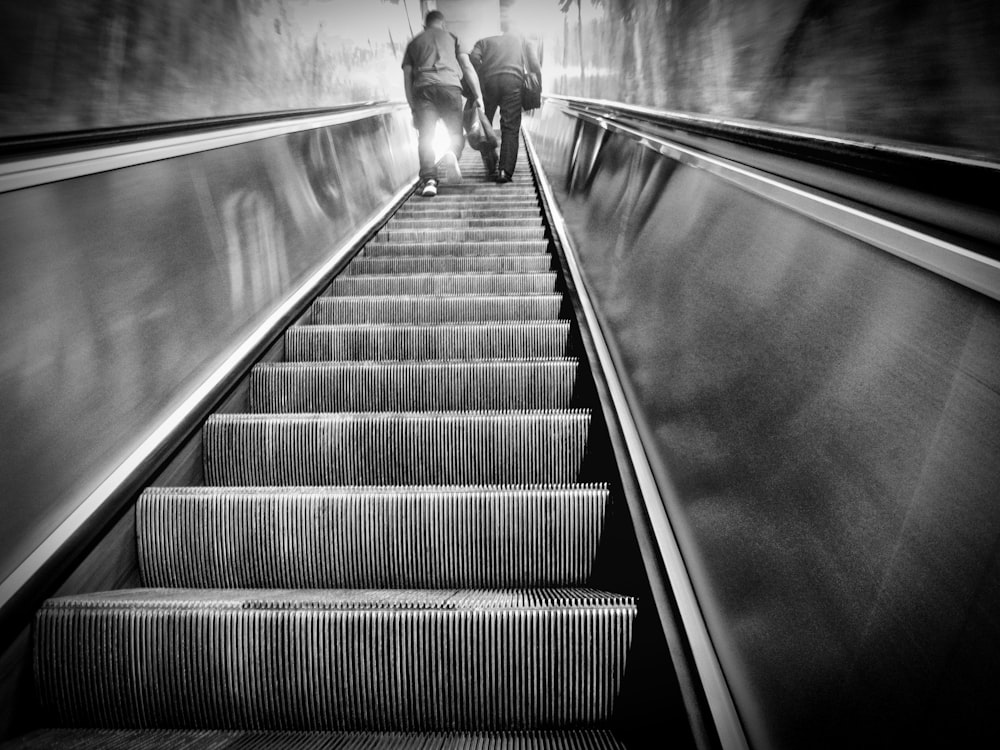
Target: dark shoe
[430,188]
[502,176]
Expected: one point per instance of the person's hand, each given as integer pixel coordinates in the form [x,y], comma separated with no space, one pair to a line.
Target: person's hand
[479,103]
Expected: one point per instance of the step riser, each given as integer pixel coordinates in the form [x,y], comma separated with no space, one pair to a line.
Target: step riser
[418,448]
[412,387]
[483,264]
[460,249]
[365,343]
[437,222]
[401,539]
[495,200]
[220,739]
[435,309]
[309,669]
[471,283]
[412,213]
[389,234]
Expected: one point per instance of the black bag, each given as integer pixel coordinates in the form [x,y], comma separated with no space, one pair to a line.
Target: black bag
[531,85]
[479,132]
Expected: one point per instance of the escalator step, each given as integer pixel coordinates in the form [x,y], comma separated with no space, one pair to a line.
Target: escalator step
[443,234]
[389,448]
[445,283]
[441,385]
[535,263]
[369,537]
[430,211]
[499,340]
[344,659]
[464,308]
[432,222]
[493,199]
[455,248]
[233,739]
[423,208]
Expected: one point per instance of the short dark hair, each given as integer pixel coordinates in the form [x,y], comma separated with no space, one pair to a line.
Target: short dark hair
[433,17]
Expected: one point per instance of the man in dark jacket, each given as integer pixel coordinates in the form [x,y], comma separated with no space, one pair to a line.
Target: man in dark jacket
[434,65]
[500,62]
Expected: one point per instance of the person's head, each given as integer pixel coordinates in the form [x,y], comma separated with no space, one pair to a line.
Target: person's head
[434,19]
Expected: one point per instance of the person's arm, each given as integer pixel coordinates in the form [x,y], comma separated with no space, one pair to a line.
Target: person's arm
[408,84]
[533,65]
[476,56]
[470,75]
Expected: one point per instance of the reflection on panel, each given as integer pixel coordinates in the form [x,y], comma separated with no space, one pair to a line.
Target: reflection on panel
[829,415]
[120,291]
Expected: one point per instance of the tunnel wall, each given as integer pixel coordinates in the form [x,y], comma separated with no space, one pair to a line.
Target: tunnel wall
[911,71]
[824,420]
[68,65]
[122,291]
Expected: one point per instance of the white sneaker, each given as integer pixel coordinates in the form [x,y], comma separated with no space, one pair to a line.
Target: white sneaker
[430,188]
[448,168]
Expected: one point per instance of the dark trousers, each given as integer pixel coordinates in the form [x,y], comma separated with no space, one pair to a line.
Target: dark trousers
[431,103]
[504,90]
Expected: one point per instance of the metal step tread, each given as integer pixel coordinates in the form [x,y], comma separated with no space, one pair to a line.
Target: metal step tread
[416,264]
[439,308]
[479,340]
[370,537]
[393,385]
[455,248]
[455,600]
[372,448]
[241,739]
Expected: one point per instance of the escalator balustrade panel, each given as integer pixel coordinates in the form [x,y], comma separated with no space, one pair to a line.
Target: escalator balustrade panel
[394,546]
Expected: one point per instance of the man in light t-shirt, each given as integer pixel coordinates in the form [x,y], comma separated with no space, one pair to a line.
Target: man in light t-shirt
[434,65]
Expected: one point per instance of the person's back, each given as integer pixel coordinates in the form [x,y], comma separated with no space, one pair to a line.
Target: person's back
[433,55]
[500,62]
[433,68]
[496,55]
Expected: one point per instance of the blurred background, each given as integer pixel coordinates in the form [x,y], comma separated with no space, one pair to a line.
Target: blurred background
[902,71]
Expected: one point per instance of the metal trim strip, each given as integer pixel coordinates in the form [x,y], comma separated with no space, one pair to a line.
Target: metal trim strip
[802,136]
[943,258]
[717,693]
[39,170]
[139,460]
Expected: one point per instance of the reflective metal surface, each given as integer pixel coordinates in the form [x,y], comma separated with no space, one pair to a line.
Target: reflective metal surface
[828,415]
[121,291]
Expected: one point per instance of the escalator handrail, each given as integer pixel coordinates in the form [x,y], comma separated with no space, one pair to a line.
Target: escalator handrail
[884,158]
[939,254]
[26,162]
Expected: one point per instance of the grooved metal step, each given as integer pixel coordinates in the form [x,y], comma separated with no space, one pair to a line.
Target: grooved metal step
[445,283]
[234,739]
[394,546]
[437,385]
[432,222]
[454,248]
[443,234]
[535,263]
[438,308]
[369,537]
[500,340]
[410,211]
[333,658]
[376,448]
[495,199]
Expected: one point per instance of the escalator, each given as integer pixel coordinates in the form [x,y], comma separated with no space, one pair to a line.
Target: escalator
[403,537]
